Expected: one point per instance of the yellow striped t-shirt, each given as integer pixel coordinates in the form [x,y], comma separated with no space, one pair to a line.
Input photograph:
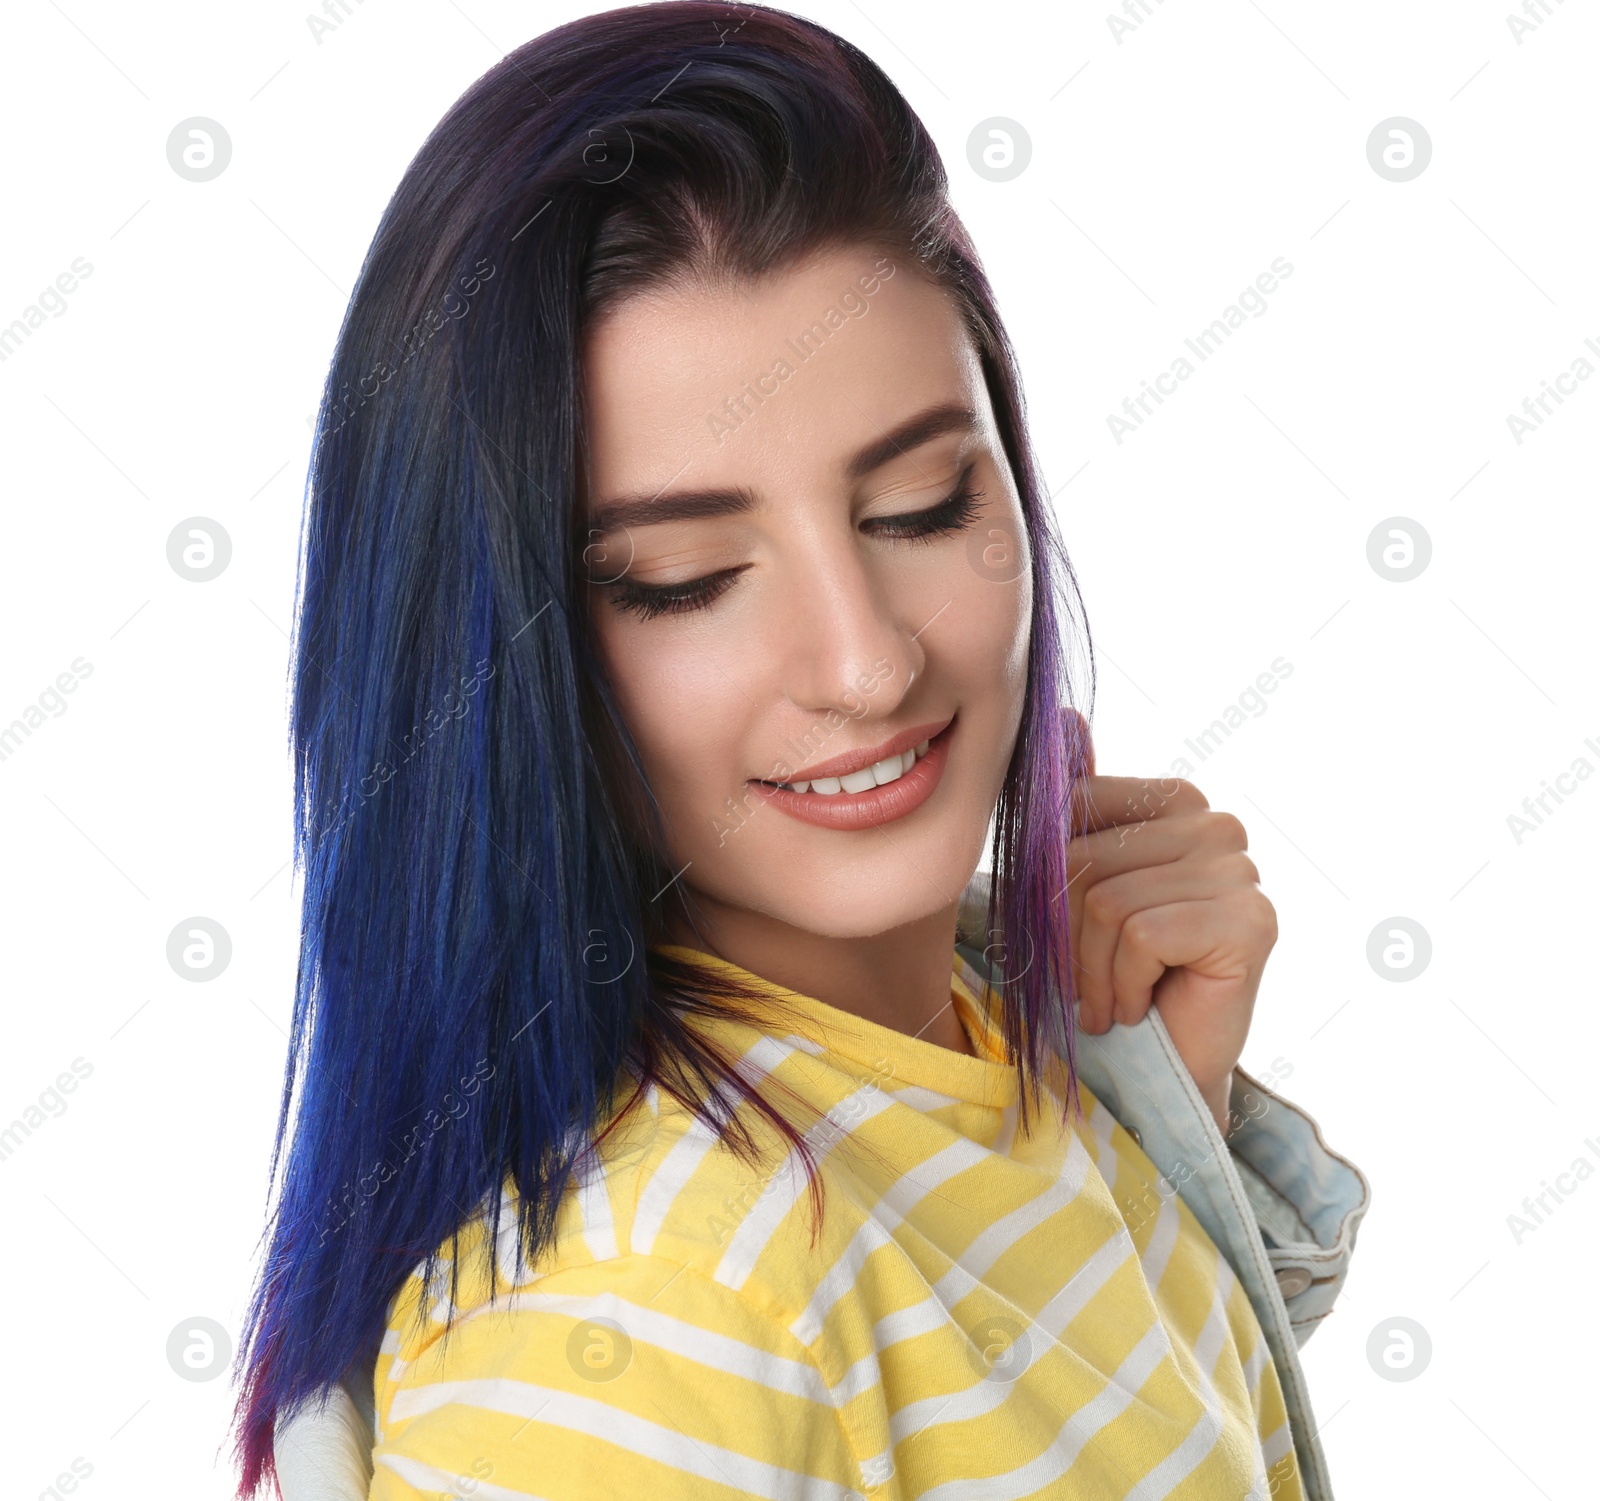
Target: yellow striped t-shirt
[982,1315]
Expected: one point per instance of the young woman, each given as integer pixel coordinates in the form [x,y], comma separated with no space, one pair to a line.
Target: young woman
[671,1109]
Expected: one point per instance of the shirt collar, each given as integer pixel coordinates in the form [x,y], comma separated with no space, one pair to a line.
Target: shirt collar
[897,1057]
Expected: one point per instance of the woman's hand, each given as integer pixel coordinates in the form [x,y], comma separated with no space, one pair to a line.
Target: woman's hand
[1165,910]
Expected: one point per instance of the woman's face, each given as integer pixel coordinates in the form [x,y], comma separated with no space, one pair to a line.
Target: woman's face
[809,559]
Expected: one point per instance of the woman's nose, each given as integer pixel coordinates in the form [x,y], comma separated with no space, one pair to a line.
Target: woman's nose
[843,634]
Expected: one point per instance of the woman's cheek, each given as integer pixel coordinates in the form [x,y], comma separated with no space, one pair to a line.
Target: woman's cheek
[677,695]
[982,656]
[986,640]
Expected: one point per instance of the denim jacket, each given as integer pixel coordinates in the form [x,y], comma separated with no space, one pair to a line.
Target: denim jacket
[1274,1198]
[1276,1201]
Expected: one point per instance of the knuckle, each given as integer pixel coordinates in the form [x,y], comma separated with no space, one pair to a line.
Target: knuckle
[1229,829]
[1263,918]
[1140,927]
[1100,903]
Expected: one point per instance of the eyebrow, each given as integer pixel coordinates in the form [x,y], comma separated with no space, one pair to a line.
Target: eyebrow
[696,505]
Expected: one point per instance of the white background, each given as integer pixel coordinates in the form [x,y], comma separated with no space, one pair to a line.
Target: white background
[1168,170]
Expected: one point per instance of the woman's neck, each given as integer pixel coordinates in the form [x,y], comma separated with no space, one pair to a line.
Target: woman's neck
[899,979]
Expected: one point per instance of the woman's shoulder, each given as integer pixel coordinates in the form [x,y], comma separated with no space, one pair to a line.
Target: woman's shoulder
[663,1194]
[677,1379]
[653,1285]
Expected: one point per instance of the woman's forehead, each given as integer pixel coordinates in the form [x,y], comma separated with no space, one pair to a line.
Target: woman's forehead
[800,369]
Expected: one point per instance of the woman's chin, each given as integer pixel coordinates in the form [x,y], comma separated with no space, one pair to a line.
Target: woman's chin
[861,898]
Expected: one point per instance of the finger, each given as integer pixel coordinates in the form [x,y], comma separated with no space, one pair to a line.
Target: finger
[1109,905]
[1137,963]
[1224,938]
[1111,852]
[1140,958]
[1105,802]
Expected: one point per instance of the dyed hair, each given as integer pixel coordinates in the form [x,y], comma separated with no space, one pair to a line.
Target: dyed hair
[484,867]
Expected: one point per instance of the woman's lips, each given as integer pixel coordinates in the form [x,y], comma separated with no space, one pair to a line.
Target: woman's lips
[877,805]
[851,763]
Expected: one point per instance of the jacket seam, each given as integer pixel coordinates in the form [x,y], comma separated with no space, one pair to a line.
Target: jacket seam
[1312,1260]
[1245,1212]
[1356,1210]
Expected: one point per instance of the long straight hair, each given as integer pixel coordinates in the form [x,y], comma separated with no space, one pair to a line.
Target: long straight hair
[484,868]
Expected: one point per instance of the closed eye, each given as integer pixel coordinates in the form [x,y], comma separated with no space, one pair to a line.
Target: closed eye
[650,600]
[955,513]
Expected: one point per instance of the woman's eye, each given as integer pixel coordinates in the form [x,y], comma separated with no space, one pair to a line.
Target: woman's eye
[955,513]
[651,600]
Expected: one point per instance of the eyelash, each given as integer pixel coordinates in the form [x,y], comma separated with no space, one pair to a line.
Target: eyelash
[955,513]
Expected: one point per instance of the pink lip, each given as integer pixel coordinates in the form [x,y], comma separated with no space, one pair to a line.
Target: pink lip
[877,805]
[858,760]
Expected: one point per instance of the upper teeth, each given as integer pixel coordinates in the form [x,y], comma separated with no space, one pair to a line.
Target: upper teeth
[890,769]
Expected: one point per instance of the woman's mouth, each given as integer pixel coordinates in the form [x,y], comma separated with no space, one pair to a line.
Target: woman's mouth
[887,790]
[879,774]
